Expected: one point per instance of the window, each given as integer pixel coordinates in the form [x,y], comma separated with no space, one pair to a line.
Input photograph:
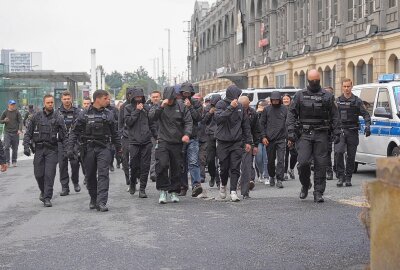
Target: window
[350,10]
[396,92]
[320,19]
[295,20]
[280,81]
[392,3]
[384,100]
[334,13]
[262,96]
[368,98]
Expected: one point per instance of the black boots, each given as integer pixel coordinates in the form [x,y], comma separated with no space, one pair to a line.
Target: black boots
[142,194]
[340,182]
[47,203]
[77,188]
[102,208]
[132,189]
[92,204]
[318,198]
[64,192]
[303,192]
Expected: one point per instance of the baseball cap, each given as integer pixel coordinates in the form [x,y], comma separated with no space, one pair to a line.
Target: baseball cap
[11,101]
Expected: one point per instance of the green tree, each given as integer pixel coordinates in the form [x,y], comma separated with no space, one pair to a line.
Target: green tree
[114,80]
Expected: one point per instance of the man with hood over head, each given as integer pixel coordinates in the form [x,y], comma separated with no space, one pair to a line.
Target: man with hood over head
[232,133]
[175,128]
[273,130]
[140,131]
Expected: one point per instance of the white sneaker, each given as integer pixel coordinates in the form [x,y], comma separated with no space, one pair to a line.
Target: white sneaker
[222,192]
[266,182]
[234,197]
[128,189]
[260,180]
[286,177]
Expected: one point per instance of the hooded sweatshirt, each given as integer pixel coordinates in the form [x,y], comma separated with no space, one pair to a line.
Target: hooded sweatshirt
[208,118]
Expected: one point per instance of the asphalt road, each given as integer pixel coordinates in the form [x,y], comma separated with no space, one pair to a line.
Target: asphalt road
[272,230]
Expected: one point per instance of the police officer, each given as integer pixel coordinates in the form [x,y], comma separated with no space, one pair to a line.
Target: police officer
[69,113]
[45,130]
[316,112]
[3,164]
[232,133]
[115,114]
[97,128]
[350,108]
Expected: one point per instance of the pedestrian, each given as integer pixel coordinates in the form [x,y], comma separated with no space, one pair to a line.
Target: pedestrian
[86,103]
[210,124]
[3,163]
[312,113]
[115,114]
[232,134]
[175,127]
[248,173]
[261,160]
[202,143]
[274,133]
[191,150]
[69,114]
[12,120]
[140,131]
[124,134]
[97,128]
[329,169]
[155,99]
[289,163]
[45,130]
[28,115]
[350,108]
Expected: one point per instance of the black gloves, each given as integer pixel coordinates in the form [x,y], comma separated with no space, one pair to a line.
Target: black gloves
[367,131]
[27,152]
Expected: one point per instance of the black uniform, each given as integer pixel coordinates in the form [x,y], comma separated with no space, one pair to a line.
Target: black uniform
[349,111]
[115,114]
[140,131]
[233,130]
[211,126]
[96,128]
[69,117]
[316,112]
[174,122]
[44,132]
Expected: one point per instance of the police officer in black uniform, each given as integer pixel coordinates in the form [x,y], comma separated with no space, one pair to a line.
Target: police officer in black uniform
[69,113]
[316,112]
[115,114]
[350,108]
[45,130]
[97,128]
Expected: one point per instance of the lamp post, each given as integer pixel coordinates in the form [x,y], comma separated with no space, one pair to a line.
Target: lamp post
[169,55]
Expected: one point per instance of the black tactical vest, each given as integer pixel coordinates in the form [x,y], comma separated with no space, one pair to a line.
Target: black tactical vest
[69,117]
[348,111]
[98,126]
[314,108]
[46,129]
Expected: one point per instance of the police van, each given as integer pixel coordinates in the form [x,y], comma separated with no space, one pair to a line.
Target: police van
[255,95]
[382,101]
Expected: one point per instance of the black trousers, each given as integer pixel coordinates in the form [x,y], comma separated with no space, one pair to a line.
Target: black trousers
[169,159]
[212,163]
[313,145]
[276,151]
[230,158]
[348,143]
[290,162]
[140,162]
[97,160]
[203,159]
[44,169]
[63,167]
[125,159]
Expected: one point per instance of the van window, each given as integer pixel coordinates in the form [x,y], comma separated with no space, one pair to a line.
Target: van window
[384,100]
[262,96]
[249,95]
[396,93]
[368,97]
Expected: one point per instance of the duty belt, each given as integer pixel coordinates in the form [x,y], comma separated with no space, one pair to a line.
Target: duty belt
[307,128]
[46,144]
[97,143]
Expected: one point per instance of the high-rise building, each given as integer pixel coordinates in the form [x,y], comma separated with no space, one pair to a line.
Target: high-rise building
[5,56]
[24,61]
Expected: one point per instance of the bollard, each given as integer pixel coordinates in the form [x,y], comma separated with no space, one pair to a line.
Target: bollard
[382,219]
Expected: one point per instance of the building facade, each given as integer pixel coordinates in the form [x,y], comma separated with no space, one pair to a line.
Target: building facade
[271,43]
[24,61]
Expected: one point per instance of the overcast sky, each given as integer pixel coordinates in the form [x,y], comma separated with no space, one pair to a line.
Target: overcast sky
[125,33]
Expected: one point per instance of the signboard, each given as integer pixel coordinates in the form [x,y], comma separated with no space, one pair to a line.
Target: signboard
[239,29]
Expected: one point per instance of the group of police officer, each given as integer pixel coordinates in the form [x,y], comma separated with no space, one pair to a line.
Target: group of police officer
[179,135]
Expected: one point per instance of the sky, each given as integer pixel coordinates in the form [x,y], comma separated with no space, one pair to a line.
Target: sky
[125,33]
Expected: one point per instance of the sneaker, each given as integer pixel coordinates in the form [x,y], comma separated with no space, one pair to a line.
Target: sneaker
[286,177]
[128,189]
[111,168]
[47,203]
[77,188]
[64,192]
[234,197]
[14,164]
[163,197]
[291,173]
[197,190]
[142,194]
[41,197]
[272,181]
[132,189]
[329,175]
[251,185]
[222,192]
[92,204]
[266,181]
[211,183]
[246,196]
[279,184]
[183,192]
[118,166]
[174,197]
[260,180]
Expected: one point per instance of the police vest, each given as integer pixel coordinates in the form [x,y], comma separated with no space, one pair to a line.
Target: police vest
[348,111]
[46,129]
[314,108]
[69,117]
[98,126]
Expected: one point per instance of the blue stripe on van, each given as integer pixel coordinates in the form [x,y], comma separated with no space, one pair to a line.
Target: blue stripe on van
[382,128]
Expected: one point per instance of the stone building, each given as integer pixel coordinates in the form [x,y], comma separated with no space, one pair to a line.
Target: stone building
[273,43]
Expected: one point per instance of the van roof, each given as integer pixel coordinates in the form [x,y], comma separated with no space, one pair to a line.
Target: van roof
[395,83]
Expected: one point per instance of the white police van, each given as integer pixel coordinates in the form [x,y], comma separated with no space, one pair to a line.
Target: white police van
[382,101]
[255,95]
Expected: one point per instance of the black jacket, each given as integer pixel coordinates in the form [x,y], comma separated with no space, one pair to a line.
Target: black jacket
[140,128]
[174,121]
[273,123]
[208,118]
[232,123]
[69,115]
[254,125]
[195,111]
[122,129]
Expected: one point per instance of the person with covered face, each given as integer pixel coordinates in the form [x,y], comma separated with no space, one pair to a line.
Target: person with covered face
[291,162]
[211,126]
[140,131]
[232,134]
[273,126]
[248,173]
[312,114]
[175,127]
[191,160]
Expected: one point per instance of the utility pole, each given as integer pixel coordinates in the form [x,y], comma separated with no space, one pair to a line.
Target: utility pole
[169,56]
[162,64]
[188,54]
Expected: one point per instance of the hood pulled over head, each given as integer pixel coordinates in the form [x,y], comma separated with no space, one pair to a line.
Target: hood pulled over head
[232,92]
[214,99]
[138,92]
[169,92]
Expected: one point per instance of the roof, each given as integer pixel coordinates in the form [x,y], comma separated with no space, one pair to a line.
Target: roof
[51,76]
